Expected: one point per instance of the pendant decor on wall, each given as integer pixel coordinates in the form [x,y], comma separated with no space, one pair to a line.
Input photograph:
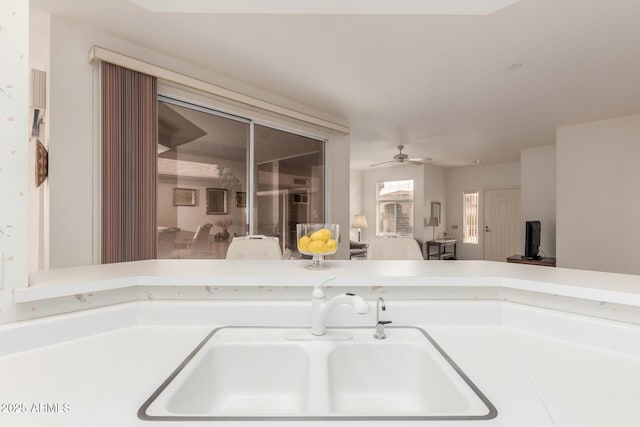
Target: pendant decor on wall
[42,163]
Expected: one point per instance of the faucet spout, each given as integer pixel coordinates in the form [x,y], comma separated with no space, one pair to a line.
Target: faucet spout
[380,306]
[320,308]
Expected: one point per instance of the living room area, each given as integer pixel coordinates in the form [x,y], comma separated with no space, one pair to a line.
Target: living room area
[492,102]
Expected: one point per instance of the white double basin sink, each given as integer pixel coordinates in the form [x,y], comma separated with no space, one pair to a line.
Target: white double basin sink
[257,373]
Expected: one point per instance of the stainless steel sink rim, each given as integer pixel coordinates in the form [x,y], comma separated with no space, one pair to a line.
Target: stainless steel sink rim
[492,411]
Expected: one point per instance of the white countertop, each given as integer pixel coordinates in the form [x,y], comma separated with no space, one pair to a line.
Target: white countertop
[534,378]
[589,285]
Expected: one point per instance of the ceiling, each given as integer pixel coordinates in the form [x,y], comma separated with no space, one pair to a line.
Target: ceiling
[453,88]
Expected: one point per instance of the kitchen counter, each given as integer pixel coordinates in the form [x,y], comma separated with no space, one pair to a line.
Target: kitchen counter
[510,327]
[605,295]
[589,285]
[538,367]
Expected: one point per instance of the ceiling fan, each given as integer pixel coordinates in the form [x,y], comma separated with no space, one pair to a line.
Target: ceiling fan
[400,159]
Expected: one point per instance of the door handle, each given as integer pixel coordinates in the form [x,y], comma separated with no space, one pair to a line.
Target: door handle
[486,229]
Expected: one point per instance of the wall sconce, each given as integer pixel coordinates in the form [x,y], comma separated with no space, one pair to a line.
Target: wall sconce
[42,163]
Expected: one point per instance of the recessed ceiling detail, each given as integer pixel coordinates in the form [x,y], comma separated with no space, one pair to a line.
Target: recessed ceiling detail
[327,7]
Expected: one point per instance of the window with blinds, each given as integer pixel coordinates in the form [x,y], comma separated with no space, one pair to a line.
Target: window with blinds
[470,224]
[394,208]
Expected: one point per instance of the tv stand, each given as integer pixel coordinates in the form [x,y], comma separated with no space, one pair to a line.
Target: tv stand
[544,261]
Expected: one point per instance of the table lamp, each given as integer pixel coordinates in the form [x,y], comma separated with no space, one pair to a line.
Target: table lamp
[359,222]
[433,222]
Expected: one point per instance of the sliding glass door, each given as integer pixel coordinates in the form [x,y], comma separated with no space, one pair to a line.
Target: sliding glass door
[214,167]
[289,176]
[202,180]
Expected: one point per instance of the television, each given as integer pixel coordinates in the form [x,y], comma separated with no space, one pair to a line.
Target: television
[532,240]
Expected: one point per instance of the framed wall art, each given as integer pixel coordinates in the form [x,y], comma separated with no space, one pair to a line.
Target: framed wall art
[185,196]
[217,201]
[241,199]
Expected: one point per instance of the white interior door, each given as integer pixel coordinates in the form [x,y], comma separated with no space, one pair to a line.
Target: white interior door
[502,224]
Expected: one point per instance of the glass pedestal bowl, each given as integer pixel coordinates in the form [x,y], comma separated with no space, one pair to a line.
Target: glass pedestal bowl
[317,240]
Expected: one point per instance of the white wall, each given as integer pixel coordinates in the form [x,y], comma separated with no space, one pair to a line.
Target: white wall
[14,152]
[39,59]
[598,195]
[475,178]
[338,187]
[435,191]
[355,199]
[538,192]
[71,155]
[73,190]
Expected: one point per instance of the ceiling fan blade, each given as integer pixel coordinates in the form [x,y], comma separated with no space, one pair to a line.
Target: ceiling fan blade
[415,161]
[387,163]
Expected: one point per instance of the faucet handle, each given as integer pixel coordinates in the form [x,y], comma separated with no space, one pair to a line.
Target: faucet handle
[384,322]
[318,288]
[318,291]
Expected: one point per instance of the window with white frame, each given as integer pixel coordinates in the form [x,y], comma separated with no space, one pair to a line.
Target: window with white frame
[470,220]
[394,208]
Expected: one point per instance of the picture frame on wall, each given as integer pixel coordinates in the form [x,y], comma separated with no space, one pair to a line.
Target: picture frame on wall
[241,199]
[185,196]
[217,201]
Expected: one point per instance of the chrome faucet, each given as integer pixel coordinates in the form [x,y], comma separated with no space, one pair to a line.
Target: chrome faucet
[320,307]
[380,306]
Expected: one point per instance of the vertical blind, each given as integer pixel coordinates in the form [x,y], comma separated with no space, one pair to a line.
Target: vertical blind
[129,165]
[470,208]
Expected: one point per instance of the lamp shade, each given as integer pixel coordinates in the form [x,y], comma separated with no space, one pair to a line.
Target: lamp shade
[433,222]
[359,221]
